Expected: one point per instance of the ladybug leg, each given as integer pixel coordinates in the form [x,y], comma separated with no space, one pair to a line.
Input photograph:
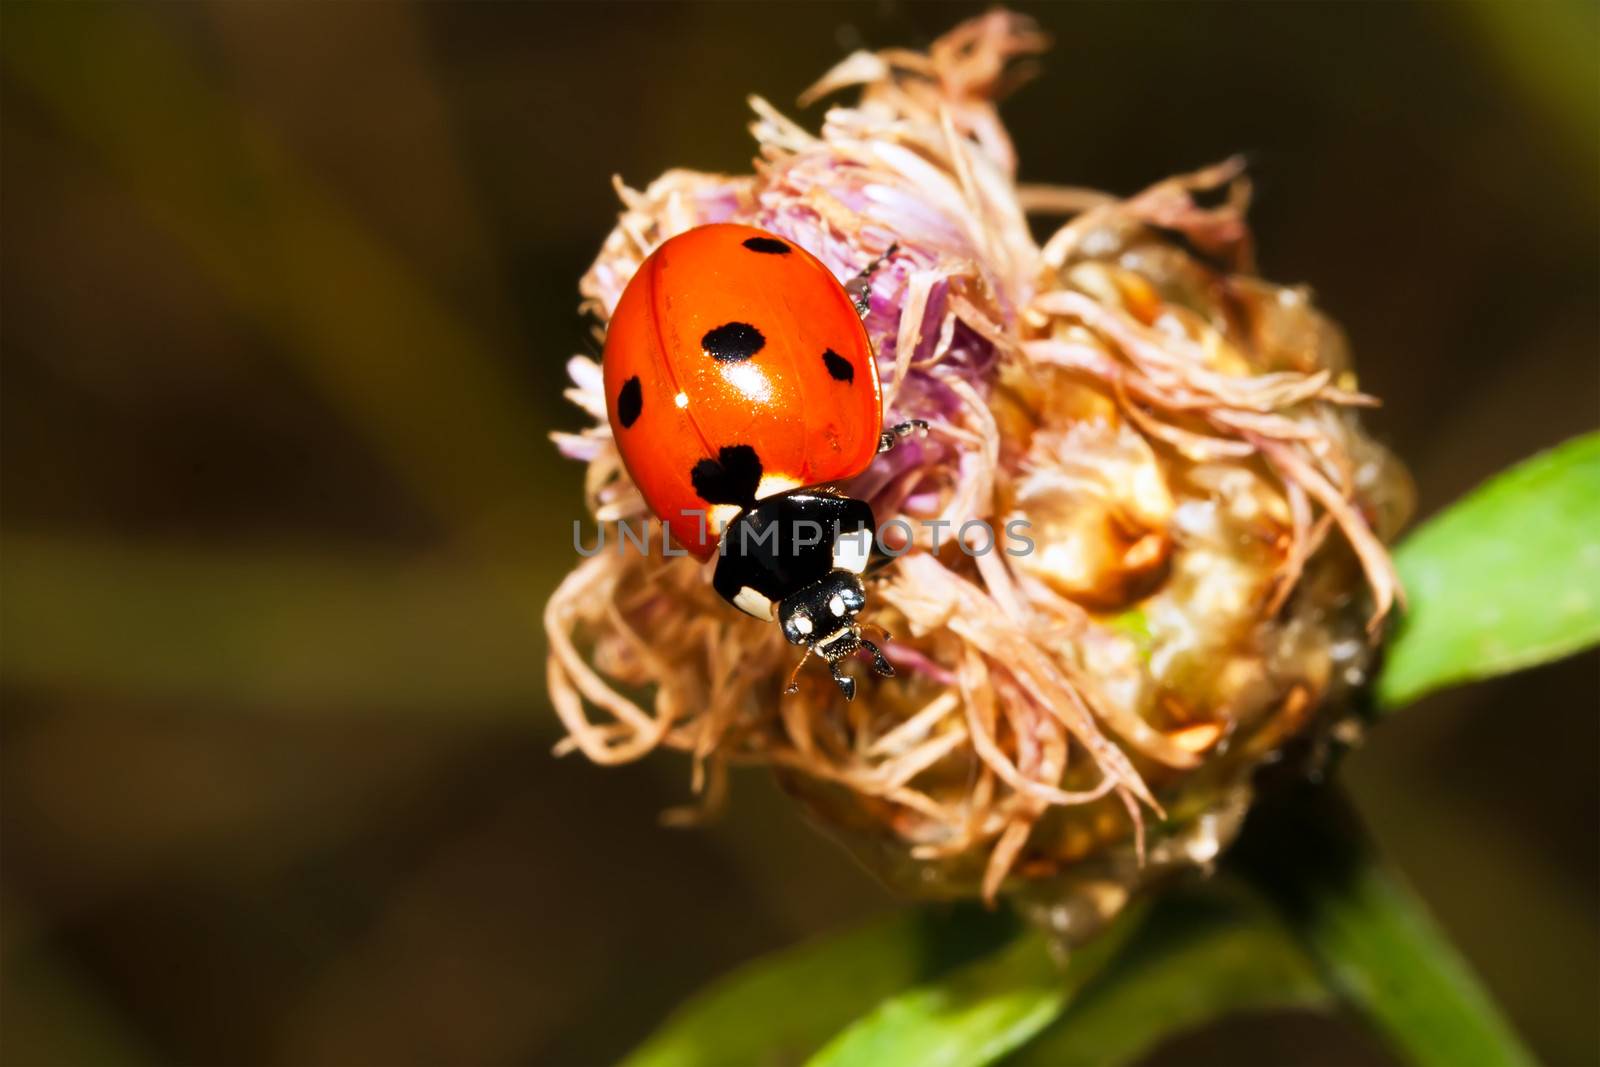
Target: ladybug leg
[794,676]
[883,635]
[890,437]
[879,664]
[860,287]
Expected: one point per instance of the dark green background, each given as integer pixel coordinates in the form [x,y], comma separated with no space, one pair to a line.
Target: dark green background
[287,292]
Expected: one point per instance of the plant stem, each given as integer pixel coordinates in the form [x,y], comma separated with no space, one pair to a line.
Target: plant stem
[1370,934]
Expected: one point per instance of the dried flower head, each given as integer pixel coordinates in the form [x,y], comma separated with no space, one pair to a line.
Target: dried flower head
[1207,517]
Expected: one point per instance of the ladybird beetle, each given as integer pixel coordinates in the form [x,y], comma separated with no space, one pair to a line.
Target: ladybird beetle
[740,383]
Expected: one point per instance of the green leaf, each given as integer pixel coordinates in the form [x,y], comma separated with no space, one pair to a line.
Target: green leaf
[1370,935]
[780,1009]
[1204,952]
[1506,578]
[980,1012]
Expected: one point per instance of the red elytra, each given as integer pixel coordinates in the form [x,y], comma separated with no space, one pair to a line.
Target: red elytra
[736,362]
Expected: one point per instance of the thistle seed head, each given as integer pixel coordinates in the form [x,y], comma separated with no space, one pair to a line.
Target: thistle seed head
[1180,438]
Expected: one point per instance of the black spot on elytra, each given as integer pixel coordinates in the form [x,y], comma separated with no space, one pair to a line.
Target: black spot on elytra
[630,401]
[731,478]
[770,245]
[838,366]
[732,342]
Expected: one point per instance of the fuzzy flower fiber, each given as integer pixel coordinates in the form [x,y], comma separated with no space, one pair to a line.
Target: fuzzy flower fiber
[1208,518]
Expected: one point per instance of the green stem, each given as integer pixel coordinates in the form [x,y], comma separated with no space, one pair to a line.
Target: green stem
[1370,934]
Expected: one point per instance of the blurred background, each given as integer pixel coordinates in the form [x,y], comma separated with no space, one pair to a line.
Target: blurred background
[288,289]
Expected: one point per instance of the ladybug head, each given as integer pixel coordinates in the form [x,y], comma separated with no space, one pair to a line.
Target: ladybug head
[822,617]
[823,612]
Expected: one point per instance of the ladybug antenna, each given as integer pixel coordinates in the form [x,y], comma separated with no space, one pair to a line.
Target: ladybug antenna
[794,675]
[883,635]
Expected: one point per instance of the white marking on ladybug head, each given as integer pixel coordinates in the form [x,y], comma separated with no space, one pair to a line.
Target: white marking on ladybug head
[802,622]
[751,602]
[836,604]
